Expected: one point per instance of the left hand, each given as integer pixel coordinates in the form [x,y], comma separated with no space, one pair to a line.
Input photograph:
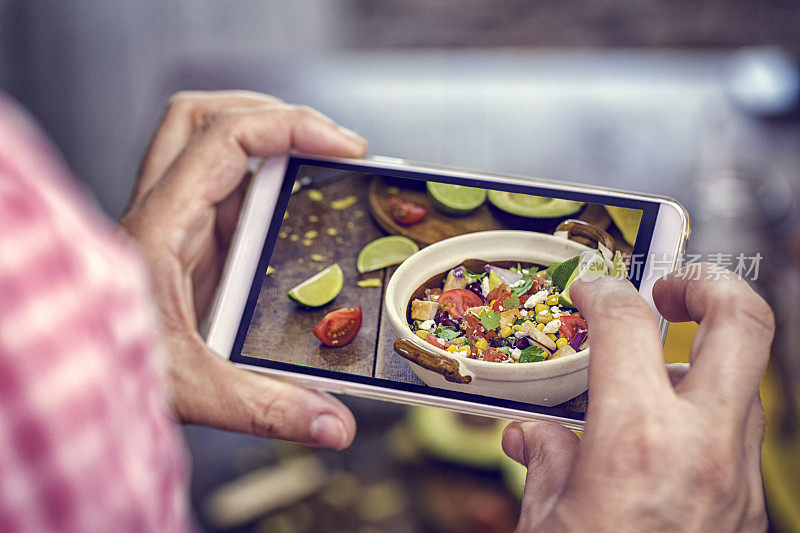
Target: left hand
[183,214]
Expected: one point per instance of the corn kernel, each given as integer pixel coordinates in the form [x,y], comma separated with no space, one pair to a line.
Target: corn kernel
[552,336]
[481,344]
[540,327]
[505,331]
[517,327]
[421,333]
[552,299]
[541,307]
[561,342]
[544,319]
[452,348]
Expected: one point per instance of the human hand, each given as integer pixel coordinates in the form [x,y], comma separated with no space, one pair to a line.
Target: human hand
[183,214]
[659,452]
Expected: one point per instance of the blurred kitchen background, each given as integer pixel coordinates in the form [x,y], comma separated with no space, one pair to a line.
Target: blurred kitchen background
[693,99]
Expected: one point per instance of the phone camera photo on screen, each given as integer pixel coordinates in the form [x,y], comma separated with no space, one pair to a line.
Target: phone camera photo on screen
[436,285]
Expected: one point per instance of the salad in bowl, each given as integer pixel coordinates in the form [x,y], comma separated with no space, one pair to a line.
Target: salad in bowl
[500,312]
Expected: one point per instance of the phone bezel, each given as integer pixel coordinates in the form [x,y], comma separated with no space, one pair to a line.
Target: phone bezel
[270,183]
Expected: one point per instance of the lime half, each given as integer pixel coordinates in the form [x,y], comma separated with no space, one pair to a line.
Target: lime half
[590,265]
[562,272]
[319,289]
[456,199]
[386,251]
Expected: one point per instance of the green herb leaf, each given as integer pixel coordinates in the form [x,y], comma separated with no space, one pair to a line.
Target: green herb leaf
[474,276]
[520,321]
[531,354]
[446,333]
[490,319]
[512,302]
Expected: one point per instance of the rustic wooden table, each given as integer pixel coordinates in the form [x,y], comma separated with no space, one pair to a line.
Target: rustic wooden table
[281,330]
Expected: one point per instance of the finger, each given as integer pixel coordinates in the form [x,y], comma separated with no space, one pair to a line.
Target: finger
[755,517]
[216,393]
[216,160]
[548,451]
[624,342]
[732,343]
[185,113]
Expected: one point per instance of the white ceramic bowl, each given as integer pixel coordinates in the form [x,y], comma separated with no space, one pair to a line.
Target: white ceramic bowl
[545,383]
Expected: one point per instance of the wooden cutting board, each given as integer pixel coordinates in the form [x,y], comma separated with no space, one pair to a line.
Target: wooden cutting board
[438,225]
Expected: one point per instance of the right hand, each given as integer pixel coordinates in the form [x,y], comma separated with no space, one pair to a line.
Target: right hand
[659,452]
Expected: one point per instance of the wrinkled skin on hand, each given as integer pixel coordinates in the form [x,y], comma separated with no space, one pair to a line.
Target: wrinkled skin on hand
[182,215]
[663,449]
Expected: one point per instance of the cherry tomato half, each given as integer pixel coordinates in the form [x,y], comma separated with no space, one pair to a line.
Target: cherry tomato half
[456,301]
[338,327]
[570,326]
[406,213]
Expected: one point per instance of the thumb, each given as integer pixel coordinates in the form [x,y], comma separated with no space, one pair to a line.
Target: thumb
[548,451]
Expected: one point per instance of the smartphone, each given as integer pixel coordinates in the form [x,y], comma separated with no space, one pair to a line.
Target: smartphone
[450,287]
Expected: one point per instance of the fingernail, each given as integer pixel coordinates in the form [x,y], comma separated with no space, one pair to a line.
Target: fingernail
[602,283]
[513,443]
[328,430]
[353,135]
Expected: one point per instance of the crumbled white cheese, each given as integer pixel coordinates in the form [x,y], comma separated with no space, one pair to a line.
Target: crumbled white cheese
[435,297]
[524,271]
[536,298]
[552,326]
[515,353]
[555,311]
[520,334]
[545,312]
[518,283]
[485,290]
[427,325]
[523,312]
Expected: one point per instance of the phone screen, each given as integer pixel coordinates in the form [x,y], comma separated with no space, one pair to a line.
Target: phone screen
[498,305]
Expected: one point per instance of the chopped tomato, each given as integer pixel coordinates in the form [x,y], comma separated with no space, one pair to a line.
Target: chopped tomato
[406,213]
[498,292]
[475,330]
[456,301]
[339,327]
[538,281]
[570,326]
[432,339]
[495,356]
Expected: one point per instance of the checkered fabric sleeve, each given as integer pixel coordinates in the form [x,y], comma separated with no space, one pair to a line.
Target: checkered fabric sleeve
[87,442]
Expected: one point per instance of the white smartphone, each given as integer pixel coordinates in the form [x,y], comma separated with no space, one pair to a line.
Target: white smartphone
[423,285]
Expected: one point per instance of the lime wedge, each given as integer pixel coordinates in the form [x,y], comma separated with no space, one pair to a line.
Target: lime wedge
[319,289]
[627,220]
[590,265]
[386,251]
[562,272]
[456,199]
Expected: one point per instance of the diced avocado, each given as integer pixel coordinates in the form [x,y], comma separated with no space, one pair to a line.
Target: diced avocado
[494,281]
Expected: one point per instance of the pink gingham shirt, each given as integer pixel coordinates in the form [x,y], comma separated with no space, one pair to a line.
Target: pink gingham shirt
[87,442]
